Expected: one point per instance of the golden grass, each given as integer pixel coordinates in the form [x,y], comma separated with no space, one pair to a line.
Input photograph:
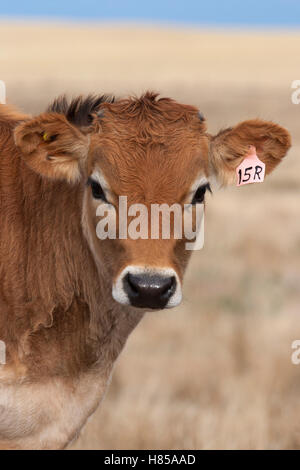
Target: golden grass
[216,372]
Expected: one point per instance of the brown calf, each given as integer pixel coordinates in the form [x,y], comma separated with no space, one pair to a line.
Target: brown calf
[69,300]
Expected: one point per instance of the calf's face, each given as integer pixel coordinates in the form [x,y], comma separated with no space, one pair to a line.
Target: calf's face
[133,155]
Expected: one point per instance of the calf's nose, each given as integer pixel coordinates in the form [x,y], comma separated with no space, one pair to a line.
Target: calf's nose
[149,291]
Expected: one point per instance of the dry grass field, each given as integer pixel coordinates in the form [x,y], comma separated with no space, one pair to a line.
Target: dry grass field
[215,373]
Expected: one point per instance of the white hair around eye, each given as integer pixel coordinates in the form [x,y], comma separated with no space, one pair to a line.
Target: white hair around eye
[98,176]
[99,182]
[200,181]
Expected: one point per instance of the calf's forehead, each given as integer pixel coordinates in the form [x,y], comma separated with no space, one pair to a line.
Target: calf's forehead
[150,161]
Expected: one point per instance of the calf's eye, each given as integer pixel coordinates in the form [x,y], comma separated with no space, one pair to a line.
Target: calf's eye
[97,190]
[200,193]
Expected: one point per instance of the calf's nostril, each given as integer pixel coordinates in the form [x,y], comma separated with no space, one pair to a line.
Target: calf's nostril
[129,279]
[169,285]
[149,291]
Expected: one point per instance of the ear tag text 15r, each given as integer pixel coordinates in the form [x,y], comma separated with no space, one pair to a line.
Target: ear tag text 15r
[251,170]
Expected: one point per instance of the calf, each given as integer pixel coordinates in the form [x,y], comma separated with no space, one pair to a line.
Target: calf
[68,299]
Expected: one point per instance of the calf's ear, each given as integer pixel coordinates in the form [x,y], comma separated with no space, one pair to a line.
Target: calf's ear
[230,146]
[52,146]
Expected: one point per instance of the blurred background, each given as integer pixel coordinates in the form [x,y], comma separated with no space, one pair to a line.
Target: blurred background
[215,372]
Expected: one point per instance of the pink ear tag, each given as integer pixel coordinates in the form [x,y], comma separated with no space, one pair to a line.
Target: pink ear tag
[251,170]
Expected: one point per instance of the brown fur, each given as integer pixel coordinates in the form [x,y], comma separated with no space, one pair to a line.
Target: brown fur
[58,319]
[229,147]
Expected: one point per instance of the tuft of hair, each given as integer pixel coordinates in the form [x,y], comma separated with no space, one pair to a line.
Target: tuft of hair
[151,107]
[79,111]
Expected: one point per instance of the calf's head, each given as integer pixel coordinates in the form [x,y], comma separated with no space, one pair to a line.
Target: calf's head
[149,152]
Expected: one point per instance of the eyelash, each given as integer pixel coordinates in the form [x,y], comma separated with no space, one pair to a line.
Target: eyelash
[97,190]
[199,195]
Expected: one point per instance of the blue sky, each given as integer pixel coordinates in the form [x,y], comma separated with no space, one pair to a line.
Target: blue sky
[283,13]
